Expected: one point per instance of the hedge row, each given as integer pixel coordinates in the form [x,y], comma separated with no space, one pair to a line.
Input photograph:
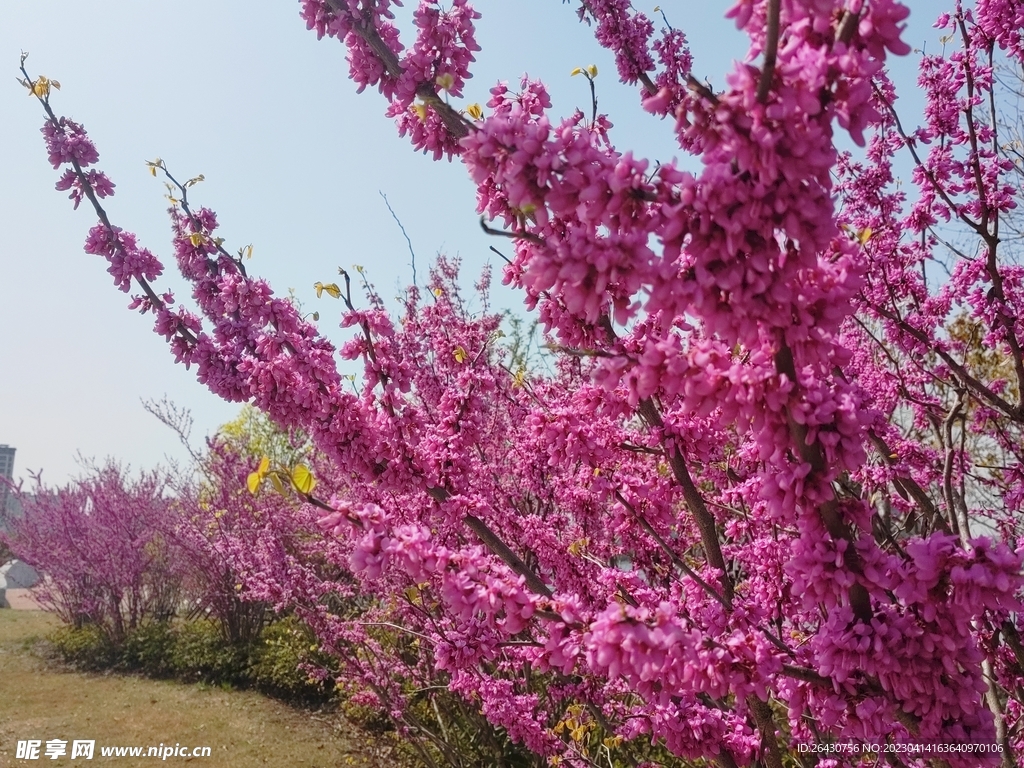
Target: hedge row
[284,662]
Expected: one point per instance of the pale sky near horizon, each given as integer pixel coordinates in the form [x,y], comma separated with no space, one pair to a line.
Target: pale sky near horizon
[294,161]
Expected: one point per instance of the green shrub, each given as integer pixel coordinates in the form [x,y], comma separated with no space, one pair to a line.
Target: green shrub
[281,662]
[87,647]
[150,649]
[201,654]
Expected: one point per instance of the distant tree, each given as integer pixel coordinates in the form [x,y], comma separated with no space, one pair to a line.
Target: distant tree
[104,546]
[226,533]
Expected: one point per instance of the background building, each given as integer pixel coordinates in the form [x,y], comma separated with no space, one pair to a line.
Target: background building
[7,461]
[6,472]
[8,502]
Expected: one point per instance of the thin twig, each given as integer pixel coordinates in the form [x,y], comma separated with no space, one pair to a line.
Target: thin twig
[502,255]
[412,253]
[528,236]
[955,507]
[151,295]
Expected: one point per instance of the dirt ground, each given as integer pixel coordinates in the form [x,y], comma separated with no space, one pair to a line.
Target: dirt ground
[39,700]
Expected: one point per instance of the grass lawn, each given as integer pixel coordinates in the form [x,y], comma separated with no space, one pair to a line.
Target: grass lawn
[39,700]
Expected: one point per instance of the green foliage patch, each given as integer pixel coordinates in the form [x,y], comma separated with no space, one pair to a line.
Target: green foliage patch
[149,649]
[200,653]
[287,663]
[284,662]
[85,647]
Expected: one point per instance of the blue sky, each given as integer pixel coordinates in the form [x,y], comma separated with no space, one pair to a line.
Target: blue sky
[294,161]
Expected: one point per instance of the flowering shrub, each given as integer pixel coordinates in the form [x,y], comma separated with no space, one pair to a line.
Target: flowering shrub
[219,530]
[769,497]
[104,544]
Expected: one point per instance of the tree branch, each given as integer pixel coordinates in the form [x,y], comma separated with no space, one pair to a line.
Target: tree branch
[813,454]
[694,502]
[977,388]
[771,49]
[496,545]
[765,719]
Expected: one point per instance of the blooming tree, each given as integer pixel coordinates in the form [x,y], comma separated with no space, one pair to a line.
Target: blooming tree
[226,535]
[105,546]
[771,495]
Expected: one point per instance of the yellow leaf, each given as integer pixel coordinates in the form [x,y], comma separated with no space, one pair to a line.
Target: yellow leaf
[420,110]
[475,111]
[577,71]
[439,292]
[253,482]
[460,354]
[578,547]
[275,478]
[264,466]
[445,81]
[41,87]
[319,287]
[333,290]
[55,84]
[248,251]
[196,238]
[303,479]
[592,70]
[520,377]
[864,236]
